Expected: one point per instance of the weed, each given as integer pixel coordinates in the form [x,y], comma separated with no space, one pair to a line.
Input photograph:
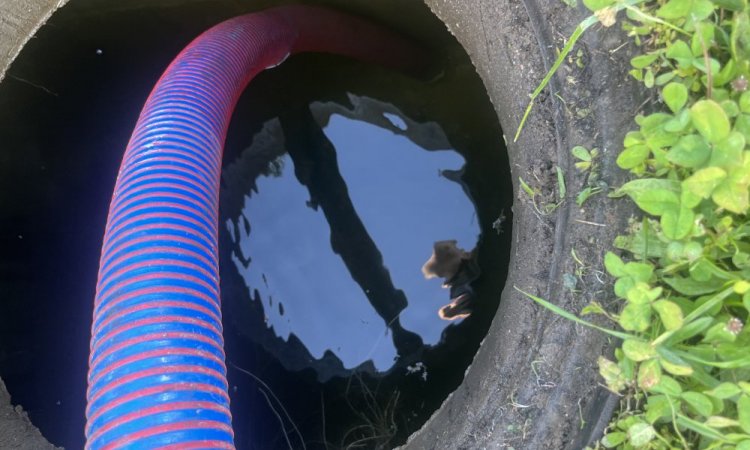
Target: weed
[377,425]
[546,208]
[682,370]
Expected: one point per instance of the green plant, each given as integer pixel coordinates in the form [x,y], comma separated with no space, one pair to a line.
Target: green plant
[683,368]
[534,194]
[587,163]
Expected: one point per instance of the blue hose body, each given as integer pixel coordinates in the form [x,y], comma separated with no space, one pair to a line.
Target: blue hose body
[157,377]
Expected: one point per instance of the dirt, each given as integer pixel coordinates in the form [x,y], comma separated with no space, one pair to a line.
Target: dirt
[547,396]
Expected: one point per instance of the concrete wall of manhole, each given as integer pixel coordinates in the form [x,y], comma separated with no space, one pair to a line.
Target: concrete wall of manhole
[509,374]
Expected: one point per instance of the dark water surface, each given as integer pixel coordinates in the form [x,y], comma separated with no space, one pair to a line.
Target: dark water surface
[406,204]
[333,193]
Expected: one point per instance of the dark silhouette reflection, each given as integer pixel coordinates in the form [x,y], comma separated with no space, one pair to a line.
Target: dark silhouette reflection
[459,269]
[315,167]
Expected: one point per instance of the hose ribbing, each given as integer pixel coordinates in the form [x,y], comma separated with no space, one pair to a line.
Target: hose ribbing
[157,377]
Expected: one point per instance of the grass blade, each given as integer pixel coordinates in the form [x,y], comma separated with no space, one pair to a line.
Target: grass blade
[563,313]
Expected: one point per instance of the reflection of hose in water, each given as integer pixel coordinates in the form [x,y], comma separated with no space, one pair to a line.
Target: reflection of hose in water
[156,370]
[316,168]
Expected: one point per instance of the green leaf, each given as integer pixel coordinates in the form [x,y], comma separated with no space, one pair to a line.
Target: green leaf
[633,156]
[595,5]
[657,201]
[638,350]
[680,52]
[728,152]
[668,386]
[680,370]
[702,37]
[690,151]
[732,5]
[742,124]
[642,188]
[632,138]
[677,222]
[669,313]
[563,313]
[700,64]
[642,244]
[732,196]
[642,293]
[641,272]
[745,102]
[561,189]
[665,78]
[718,333]
[643,61]
[675,96]
[744,445]
[731,108]
[612,440]
[658,406]
[581,153]
[635,317]
[648,78]
[708,304]
[701,9]
[649,374]
[640,434]
[680,121]
[671,362]
[614,265]
[699,402]
[674,9]
[699,428]
[688,331]
[623,286]
[526,187]
[710,120]
[743,412]
[727,74]
[720,422]
[724,391]
[739,41]
[612,374]
[689,286]
[704,181]
[585,194]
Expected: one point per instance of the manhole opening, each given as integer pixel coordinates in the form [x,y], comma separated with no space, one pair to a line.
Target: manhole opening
[419,163]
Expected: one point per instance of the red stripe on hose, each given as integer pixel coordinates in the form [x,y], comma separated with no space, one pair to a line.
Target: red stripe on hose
[157,226]
[179,426]
[198,445]
[153,321]
[152,337]
[166,407]
[158,389]
[166,290]
[162,352]
[161,370]
[156,262]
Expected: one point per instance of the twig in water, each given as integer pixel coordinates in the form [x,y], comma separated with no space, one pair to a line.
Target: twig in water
[38,86]
[270,391]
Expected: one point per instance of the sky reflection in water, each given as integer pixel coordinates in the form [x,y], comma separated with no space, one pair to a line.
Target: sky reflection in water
[405,204]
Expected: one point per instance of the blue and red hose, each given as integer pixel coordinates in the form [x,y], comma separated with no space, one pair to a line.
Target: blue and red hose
[157,377]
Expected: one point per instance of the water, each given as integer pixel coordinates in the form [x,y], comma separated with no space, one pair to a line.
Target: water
[406,204]
[66,113]
[330,213]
